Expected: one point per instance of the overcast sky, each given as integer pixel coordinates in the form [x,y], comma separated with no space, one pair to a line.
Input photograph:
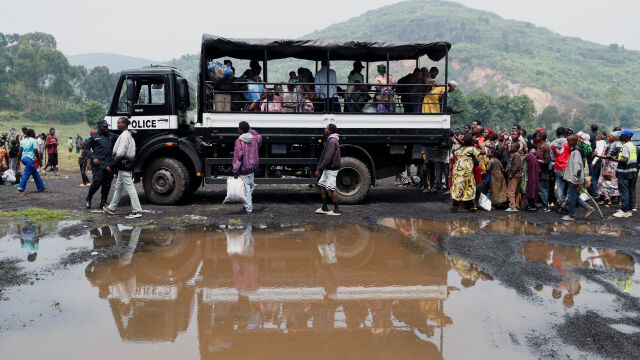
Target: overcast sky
[163,29]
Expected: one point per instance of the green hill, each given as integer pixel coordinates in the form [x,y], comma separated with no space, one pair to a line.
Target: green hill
[505,56]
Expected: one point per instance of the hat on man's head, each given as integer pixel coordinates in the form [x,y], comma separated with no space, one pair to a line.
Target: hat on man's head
[358,65]
[14,129]
[382,67]
[627,132]
[453,84]
[541,130]
[103,123]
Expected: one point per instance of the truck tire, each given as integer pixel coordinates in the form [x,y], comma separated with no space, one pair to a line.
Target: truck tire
[353,181]
[166,181]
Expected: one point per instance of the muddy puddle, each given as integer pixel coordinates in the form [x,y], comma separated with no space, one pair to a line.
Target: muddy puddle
[295,291]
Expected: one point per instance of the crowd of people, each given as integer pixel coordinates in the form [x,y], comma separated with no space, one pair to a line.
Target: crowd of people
[518,171]
[416,93]
[44,152]
[483,169]
[104,152]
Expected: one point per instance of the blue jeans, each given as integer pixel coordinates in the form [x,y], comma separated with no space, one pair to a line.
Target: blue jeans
[561,184]
[572,197]
[624,185]
[248,191]
[442,168]
[595,175]
[29,171]
[543,193]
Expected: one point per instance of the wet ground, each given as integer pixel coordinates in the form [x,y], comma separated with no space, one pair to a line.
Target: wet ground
[508,287]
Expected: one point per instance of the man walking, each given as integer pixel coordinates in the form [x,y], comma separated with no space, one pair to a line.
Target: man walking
[545,173]
[627,173]
[78,143]
[52,150]
[328,166]
[574,177]
[246,161]
[560,153]
[124,156]
[99,147]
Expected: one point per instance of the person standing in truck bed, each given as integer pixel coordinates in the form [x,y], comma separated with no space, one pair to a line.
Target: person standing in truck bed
[328,166]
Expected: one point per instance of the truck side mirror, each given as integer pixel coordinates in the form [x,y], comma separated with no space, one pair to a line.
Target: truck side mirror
[183,101]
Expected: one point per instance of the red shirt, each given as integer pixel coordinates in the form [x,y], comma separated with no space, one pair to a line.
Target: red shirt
[562,159]
[51,144]
[477,174]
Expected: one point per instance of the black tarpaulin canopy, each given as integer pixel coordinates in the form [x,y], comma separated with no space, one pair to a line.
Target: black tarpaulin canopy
[316,49]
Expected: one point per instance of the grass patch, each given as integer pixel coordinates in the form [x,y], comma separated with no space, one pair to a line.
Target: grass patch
[36,215]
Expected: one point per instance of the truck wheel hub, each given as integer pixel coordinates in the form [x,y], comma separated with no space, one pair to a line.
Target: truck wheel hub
[163,181]
[349,181]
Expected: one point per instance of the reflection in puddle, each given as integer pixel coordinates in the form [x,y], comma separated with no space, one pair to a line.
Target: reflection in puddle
[297,291]
[511,225]
[566,259]
[343,286]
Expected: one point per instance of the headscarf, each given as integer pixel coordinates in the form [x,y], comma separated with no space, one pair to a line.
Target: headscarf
[585,138]
[616,135]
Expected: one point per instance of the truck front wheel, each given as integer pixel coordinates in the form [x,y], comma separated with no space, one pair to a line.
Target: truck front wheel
[166,181]
[353,181]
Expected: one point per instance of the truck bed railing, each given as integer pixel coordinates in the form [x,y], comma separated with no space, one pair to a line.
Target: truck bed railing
[352,98]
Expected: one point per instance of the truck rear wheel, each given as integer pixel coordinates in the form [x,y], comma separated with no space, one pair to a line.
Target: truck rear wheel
[353,181]
[166,181]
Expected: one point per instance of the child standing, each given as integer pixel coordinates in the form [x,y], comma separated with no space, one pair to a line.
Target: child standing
[514,174]
[498,184]
[82,162]
[14,151]
[534,159]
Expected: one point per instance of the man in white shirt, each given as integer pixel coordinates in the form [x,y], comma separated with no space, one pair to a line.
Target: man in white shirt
[601,147]
[124,154]
[326,101]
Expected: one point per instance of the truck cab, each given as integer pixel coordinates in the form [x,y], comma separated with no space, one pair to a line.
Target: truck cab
[158,101]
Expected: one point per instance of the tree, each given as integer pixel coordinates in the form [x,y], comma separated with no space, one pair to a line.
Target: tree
[523,110]
[93,112]
[99,84]
[549,118]
[612,98]
[594,113]
[482,106]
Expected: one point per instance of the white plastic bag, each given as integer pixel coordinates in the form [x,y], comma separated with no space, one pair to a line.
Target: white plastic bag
[9,176]
[484,202]
[235,191]
[585,197]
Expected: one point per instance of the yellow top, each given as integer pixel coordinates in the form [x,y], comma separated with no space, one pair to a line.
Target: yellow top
[431,102]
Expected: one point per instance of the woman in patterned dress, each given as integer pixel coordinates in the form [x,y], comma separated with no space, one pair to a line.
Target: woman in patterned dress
[464,185]
[608,183]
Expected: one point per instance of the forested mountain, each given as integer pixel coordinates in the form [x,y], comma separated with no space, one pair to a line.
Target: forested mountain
[114,62]
[507,57]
